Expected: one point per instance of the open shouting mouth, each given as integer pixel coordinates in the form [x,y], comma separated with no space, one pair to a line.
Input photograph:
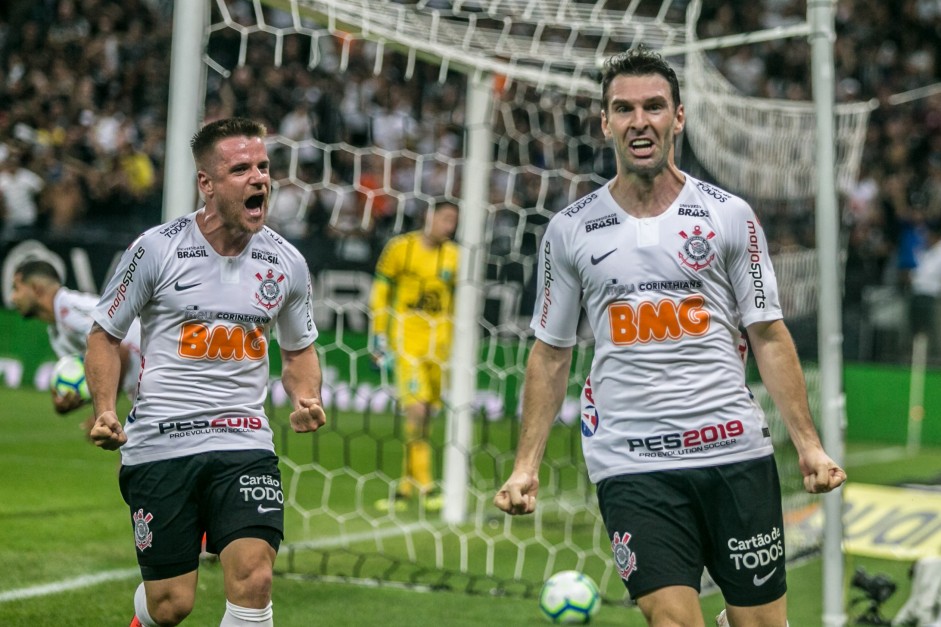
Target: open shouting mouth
[254,204]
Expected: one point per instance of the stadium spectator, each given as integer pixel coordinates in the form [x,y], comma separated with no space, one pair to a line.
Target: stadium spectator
[210,309]
[19,190]
[881,49]
[671,476]
[38,293]
[411,309]
[926,292]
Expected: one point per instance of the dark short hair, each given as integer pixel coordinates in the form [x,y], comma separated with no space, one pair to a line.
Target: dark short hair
[441,201]
[639,61]
[37,268]
[208,136]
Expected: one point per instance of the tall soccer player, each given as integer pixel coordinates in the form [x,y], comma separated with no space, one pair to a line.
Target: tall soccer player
[668,269]
[197,454]
[411,305]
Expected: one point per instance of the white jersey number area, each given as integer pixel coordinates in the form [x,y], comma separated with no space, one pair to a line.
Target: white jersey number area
[206,324]
[665,297]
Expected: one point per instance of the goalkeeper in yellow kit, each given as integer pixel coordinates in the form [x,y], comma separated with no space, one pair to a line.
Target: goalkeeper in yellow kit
[411,305]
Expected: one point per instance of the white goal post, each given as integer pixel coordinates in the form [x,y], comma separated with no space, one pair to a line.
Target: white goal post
[553,48]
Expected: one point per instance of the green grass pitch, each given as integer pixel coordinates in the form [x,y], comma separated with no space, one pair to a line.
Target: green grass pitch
[66,546]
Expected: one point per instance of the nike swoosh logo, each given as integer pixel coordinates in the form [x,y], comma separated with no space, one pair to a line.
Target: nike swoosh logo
[265,510]
[760,581]
[180,288]
[596,260]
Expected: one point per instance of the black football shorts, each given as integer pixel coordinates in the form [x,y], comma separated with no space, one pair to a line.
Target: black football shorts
[225,494]
[666,526]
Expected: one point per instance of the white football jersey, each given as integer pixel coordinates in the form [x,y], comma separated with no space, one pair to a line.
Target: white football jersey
[68,336]
[206,325]
[665,297]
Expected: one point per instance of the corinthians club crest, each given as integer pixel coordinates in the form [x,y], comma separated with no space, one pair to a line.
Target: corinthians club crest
[269,293]
[624,558]
[697,252]
[143,536]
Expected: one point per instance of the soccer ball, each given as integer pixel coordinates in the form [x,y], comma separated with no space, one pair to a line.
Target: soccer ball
[68,375]
[569,597]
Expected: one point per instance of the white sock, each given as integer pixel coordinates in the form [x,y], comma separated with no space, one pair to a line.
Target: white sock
[140,607]
[722,621]
[236,616]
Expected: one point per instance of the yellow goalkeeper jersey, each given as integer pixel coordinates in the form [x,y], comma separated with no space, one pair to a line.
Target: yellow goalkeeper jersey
[412,295]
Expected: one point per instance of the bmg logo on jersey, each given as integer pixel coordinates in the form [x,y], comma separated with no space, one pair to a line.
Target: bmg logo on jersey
[758,551]
[202,341]
[263,488]
[657,321]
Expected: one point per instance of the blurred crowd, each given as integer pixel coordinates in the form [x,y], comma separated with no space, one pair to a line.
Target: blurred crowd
[83,101]
[83,109]
[883,50]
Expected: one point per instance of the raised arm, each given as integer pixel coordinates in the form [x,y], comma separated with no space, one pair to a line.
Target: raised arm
[781,374]
[547,373]
[301,377]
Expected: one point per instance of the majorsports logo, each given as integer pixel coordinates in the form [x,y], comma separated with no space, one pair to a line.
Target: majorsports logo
[754,266]
[126,281]
[546,284]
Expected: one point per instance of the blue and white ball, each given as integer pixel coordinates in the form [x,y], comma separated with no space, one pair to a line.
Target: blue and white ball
[569,597]
[68,375]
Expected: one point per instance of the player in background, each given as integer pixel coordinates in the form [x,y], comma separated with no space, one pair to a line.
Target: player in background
[197,453]
[411,307]
[38,293]
[668,269]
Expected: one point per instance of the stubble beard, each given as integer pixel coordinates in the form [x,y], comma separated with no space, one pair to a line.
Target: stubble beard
[653,168]
[235,221]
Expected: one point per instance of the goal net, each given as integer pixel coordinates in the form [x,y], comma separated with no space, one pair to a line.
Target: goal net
[369,101]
